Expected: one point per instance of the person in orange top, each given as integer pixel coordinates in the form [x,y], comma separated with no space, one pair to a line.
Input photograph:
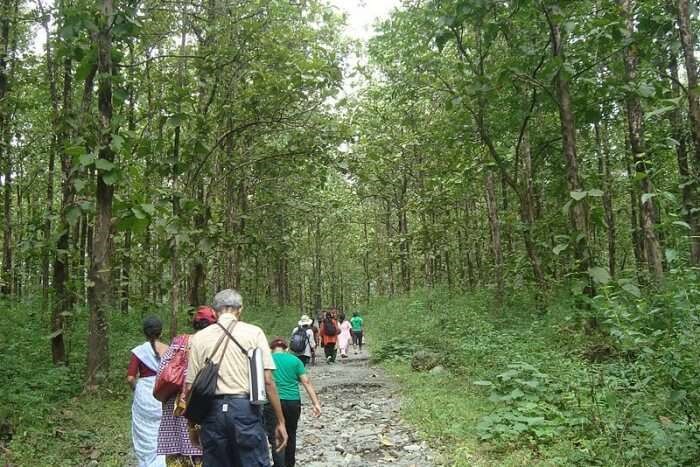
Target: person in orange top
[329,331]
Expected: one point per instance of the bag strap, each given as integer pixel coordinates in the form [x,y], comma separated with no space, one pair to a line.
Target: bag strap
[218,343]
[235,341]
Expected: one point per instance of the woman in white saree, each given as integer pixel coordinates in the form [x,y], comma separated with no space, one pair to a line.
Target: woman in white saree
[146,411]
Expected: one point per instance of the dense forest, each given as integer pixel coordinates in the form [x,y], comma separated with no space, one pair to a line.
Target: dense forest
[541,155]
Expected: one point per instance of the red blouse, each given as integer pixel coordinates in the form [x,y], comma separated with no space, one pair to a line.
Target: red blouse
[137,368]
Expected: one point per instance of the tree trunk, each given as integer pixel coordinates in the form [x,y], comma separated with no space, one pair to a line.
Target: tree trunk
[63,302]
[7,13]
[404,248]
[495,225]
[527,211]
[99,288]
[579,209]
[175,201]
[686,178]
[317,266]
[125,278]
[53,94]
[635,121]
[688,44]
[609,213]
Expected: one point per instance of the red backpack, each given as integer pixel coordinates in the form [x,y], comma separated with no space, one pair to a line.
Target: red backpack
[171,380]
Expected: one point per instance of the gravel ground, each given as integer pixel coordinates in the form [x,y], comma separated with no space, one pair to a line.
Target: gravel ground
[360,425]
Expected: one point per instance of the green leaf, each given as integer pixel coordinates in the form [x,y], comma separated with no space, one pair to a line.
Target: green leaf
[595,192]
[111,177]
[632,289]
[682,224]
[148,209]
[74,151]
[79,184]
[482,383]
[117,143]
[647,196]
[103,164]
[599,275]
[578,195]
[73,214]
[559,248]
[86,160]
[646,90]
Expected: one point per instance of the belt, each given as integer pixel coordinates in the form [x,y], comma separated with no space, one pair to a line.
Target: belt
[232,396]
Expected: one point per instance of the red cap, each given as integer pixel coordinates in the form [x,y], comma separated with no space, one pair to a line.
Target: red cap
[205,313]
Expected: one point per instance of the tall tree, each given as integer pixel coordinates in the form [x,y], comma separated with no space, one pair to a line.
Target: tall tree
[99,288]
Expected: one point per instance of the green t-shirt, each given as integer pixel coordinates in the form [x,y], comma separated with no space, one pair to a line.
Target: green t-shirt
[356,323]
[289,369]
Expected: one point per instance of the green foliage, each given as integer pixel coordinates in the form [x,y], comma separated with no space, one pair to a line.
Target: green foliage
[614,385]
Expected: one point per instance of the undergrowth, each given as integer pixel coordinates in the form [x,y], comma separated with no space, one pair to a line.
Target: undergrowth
[611,381]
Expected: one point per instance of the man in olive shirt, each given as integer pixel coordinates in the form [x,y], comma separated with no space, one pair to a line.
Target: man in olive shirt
[233,434]
[289,373]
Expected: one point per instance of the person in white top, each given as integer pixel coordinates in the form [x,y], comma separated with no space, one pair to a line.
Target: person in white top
[302,342]
[345,337]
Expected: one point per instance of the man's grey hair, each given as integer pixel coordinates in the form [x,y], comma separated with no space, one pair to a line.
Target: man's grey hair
[228,298]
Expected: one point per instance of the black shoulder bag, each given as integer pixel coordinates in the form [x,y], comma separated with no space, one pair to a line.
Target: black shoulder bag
[203,389]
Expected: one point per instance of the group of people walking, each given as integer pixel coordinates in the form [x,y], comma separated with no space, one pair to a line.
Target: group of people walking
[239,428]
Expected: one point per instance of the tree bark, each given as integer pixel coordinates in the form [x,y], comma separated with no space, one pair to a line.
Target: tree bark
[63,302]
[685,175]
[53,149]
[7,14]
[527,211]
[404,248]
[495,225]
[635,122]
[687,36]
[579,209]
[99,288]
[609,213]
[317,266]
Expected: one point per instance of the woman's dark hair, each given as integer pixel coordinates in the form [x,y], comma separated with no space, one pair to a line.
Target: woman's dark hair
[341,317]
[152,328]
[200,324]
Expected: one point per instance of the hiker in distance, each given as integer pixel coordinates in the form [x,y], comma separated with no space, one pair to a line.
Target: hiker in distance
[146,410]
[232,431]
[357,324]
[289,373]
[303,341]
[329,331]
[344,338]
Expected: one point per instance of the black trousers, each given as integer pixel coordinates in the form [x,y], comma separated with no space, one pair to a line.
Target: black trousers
[330,351]
[305,359]
[233,435]
[292,412]
[357,338]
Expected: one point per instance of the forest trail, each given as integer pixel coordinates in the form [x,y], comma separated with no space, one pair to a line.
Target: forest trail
[361,425]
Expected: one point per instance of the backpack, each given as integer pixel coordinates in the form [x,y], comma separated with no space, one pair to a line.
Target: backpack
[297,343]
[329,328]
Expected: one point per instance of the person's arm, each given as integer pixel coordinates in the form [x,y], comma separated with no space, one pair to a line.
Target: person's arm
[132,372]
[274,399]
[316,404]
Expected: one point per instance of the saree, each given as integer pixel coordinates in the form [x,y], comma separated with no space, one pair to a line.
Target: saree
[146,412]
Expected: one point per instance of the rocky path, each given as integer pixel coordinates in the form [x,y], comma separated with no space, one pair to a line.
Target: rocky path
[360,425]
